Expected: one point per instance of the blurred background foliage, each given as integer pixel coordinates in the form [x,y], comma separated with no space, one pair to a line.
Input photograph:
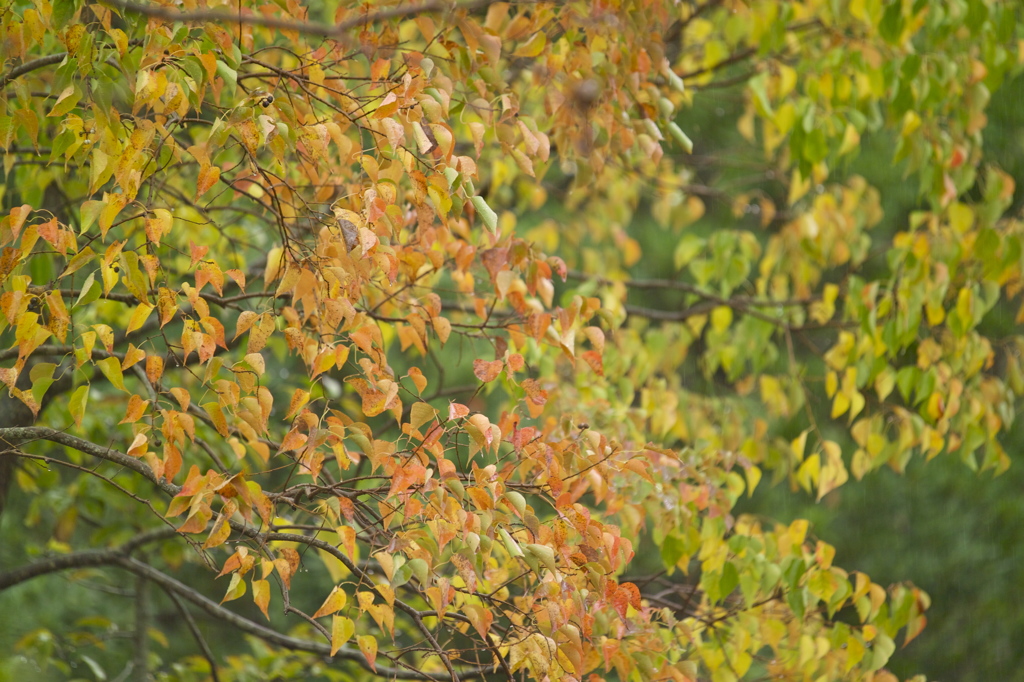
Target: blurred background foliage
[956,533]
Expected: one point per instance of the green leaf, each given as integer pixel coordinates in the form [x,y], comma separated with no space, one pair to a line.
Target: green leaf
[78,402]
[91,290]
[485,212]
[882,647]
[891,26]
[111,369]
[680,137]
[62,12]
[673,550]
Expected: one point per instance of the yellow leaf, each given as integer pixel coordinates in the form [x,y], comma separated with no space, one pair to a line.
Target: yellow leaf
[139,445]
[77,403]
[851,140]
[753,478]
[807,474]
[840,404]
[299,399]
[261,595]
[534,46]
[443,328]
[236,589]
[217,417]
[335,602]
[133,356]
[799,445]
[111,369]
[721,318]
[420,414]
[342,629]
[260,332]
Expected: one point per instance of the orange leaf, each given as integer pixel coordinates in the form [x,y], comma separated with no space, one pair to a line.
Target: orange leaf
[18,216]
[182,396]
[418,379]
[208,177]
[287,563]
[348,538]
[457,411]
[136,408]
[633,594]
[154,368]
[293,441]
[487,371]
[198,252]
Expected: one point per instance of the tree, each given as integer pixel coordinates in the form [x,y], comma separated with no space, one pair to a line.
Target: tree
[330,308]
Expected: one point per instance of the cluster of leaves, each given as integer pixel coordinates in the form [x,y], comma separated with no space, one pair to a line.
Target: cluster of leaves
[258,254]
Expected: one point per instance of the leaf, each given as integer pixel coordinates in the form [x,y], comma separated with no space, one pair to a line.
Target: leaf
[78,402]
[111,369]
[66,101]
[421,413]
[208,177]
[335,602]
[261,596]
[260,332]
[443,328]
[487,371]
[681,138]
[418,379]
[139,445]
[136,408]
[236,589]
[486,214]
[368,645]
[217,417]
[299,399]
[342,629]
[139,317]
[91,290]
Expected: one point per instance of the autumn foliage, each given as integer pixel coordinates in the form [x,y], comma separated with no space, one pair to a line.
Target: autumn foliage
[328,308]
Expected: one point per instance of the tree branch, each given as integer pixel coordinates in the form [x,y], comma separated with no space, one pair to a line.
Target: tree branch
[204,647]
[312,28]
[140,655]
[118,557]
[19,434]
[30,66]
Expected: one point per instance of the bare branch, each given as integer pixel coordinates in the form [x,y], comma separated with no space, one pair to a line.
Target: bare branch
[197,635]
[20,434]
[30,66]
